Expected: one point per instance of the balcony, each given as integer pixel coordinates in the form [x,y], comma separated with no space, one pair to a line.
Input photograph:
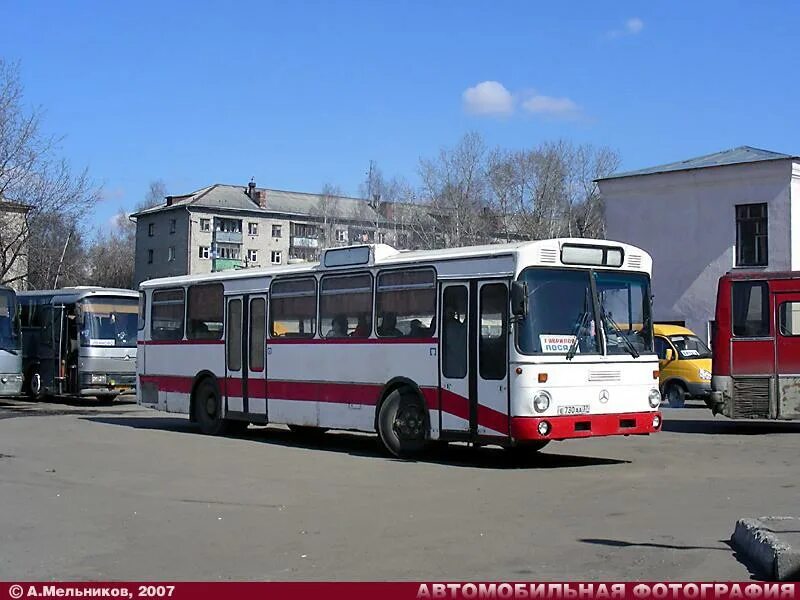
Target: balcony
[228,237]
[305,242]
[226,264]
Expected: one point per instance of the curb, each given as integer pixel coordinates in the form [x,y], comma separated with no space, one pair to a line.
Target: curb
[775,558]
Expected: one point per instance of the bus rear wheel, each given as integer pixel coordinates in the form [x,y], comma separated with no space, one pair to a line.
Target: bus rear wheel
[208,411]
[403,424]
[34,385]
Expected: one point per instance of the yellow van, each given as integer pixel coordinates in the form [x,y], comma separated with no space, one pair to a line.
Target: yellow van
[684,364]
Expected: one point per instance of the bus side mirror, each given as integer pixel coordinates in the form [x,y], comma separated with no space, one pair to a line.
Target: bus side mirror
[669,356]
[519,298]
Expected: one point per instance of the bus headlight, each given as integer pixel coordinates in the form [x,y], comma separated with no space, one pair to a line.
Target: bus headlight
[654,398]
[704,375]
[541,401]
[543,428]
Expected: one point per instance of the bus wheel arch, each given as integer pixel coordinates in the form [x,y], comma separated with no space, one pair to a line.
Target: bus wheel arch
[198,380]
[402,419]
[206,405]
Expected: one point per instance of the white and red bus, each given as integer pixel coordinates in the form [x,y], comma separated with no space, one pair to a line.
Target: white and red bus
[512,344]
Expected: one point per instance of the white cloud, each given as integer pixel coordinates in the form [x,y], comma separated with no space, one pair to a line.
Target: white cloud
[488,98]
[632,26]
[550,106]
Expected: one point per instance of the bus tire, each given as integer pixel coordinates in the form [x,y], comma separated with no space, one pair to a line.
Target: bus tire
[207,406]
[403,424]
[675,394]
[33,384]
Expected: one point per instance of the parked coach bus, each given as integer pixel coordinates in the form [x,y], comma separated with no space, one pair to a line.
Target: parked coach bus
[79,341]
[10,344]
[756,345]
[514,344]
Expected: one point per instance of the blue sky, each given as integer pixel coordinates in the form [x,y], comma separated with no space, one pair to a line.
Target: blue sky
[299,94]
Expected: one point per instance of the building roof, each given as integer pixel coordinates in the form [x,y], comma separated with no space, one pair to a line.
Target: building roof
[235,197]
[733,156]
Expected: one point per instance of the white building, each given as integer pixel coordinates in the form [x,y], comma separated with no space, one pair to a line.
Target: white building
[703,217]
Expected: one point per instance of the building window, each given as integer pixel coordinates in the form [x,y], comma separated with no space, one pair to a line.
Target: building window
[173,224]
[171,254]
[341,235]
[205,252]
[229,225]
[149,257]
[751,235]
[205,224]
[252,228]
[151,229]
[276,231]
[252,256]
[276,257]
[229,252]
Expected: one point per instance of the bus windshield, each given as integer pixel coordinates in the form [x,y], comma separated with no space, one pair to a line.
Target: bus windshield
[625,303]
[562,318]
[109,322]
[10,339]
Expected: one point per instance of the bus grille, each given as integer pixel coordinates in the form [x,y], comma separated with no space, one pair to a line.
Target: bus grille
[604,375]
[751,398]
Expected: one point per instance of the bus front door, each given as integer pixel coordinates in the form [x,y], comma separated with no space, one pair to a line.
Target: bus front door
[787,355]
[492,407]
[455,352]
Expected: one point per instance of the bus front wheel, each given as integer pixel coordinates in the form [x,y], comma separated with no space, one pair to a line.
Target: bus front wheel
[403,424]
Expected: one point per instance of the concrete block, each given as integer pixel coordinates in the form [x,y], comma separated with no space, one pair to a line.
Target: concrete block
[772,544]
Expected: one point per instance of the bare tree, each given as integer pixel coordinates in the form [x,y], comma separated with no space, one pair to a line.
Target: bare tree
[585,205]
[454,185]
[32,174]
[156,192]
[328,212]
[58,258]
[111,256]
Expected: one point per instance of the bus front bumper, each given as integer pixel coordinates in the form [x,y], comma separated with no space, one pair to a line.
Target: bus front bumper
[10,384]
[583,426]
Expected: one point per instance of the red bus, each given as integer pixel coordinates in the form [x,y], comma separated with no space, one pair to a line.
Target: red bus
[756,346]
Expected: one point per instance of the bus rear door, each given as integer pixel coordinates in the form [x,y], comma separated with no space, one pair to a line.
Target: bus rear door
[787,354]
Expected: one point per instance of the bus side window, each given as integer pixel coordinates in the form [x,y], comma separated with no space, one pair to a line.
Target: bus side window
[345,305]
[750,312]
[493,331]
[293,308]
[205,312]
[406,303]
[167,315]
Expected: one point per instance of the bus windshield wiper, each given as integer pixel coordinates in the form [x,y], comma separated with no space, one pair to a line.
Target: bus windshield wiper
[573,349]
[608,319]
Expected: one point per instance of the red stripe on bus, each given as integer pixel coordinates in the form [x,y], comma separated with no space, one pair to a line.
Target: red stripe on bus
[364,394]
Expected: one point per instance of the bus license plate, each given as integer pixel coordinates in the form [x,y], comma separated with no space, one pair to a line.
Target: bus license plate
[576,409]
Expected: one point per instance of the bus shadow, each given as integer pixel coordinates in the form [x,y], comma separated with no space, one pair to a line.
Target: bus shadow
[366,445]
[722,426]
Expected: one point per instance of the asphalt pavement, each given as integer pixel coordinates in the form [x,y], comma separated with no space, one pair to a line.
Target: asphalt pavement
[124,493]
